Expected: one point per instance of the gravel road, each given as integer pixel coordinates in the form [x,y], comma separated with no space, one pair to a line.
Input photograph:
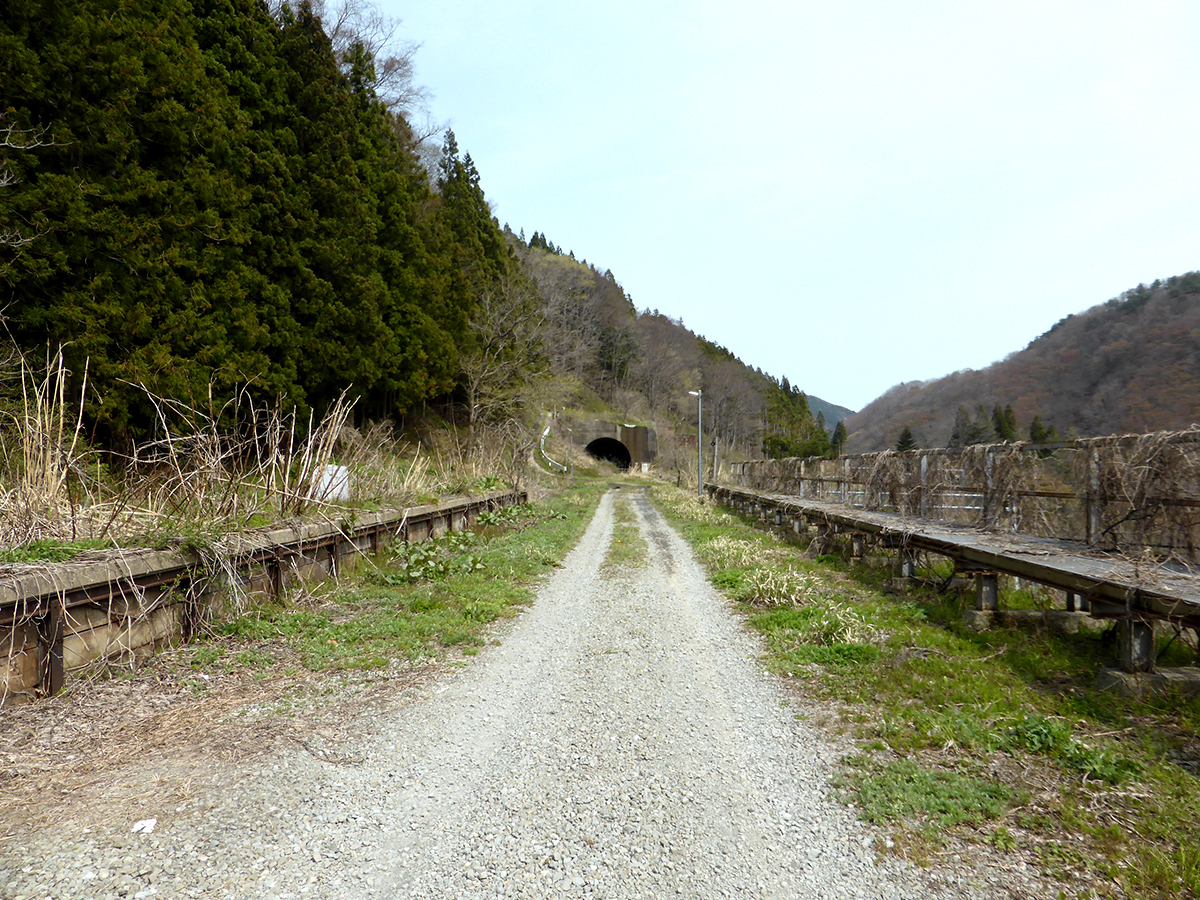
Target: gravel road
[621,741]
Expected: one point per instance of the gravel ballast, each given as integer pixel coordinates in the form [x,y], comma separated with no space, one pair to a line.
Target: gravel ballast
[621,741]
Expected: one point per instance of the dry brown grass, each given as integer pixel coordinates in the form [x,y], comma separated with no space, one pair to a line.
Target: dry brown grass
[35,467]
[211,471]
[206,477]
[382,466]
[202,468]
[502,451]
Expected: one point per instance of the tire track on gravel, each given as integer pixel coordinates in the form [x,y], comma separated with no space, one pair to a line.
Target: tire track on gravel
[633,748]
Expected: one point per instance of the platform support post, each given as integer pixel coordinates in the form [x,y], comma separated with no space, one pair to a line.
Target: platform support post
[1136,640]
[824,537]
[987,592]
[51,638]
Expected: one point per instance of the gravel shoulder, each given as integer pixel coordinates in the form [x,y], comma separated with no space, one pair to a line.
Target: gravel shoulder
[620,741]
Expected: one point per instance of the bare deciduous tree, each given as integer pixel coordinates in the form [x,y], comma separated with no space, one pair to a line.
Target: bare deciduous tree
[350,22]
[506,355]
[666,351]
[573,327]
[360,22]
[733,403]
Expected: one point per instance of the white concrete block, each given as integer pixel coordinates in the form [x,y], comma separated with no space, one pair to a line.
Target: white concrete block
[334,485]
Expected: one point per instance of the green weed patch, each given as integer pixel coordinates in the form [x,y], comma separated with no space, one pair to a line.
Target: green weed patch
[1053,738]
[49,551]
[903,791]
[420,601]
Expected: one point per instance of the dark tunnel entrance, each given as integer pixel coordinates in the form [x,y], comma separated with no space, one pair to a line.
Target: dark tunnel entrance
[611,450]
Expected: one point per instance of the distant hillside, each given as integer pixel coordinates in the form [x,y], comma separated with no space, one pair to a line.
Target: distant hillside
[1129,365]
[833,413]
[645,366]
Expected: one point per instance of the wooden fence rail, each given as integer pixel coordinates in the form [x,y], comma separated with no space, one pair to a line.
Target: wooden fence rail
[1129,494]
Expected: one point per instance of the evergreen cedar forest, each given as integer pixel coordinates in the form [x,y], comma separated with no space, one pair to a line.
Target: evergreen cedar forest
[205,200]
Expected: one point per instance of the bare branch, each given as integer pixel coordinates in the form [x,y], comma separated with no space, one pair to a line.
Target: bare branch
[351,22]
[497,371]
[14,138]
[10,237]
[19,139]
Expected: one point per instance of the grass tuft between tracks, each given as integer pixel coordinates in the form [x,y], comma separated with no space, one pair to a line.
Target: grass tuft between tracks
[627,548]
[999,738]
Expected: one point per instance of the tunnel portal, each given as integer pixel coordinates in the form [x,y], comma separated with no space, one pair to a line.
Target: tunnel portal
[612,450]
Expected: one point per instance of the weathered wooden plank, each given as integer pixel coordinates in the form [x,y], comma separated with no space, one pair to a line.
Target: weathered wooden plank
[1135,587]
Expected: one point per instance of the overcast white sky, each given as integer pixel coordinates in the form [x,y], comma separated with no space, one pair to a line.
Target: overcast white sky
[851,194]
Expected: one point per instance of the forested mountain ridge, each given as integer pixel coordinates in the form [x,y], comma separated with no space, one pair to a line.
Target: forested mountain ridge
[1129,365]
[203,200]
[643,364]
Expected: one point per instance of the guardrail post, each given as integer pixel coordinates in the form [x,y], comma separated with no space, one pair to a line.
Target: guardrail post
[988,486]
[1092,498]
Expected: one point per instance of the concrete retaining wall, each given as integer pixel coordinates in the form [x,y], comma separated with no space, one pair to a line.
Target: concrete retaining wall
[20,664]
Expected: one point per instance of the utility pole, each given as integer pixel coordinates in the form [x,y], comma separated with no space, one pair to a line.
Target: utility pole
[699,395]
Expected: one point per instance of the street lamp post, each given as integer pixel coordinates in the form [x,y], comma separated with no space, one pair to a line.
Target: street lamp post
[699,395]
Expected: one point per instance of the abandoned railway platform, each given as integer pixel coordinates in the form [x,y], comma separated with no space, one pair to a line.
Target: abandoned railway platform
[1110,522]
[114,605]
